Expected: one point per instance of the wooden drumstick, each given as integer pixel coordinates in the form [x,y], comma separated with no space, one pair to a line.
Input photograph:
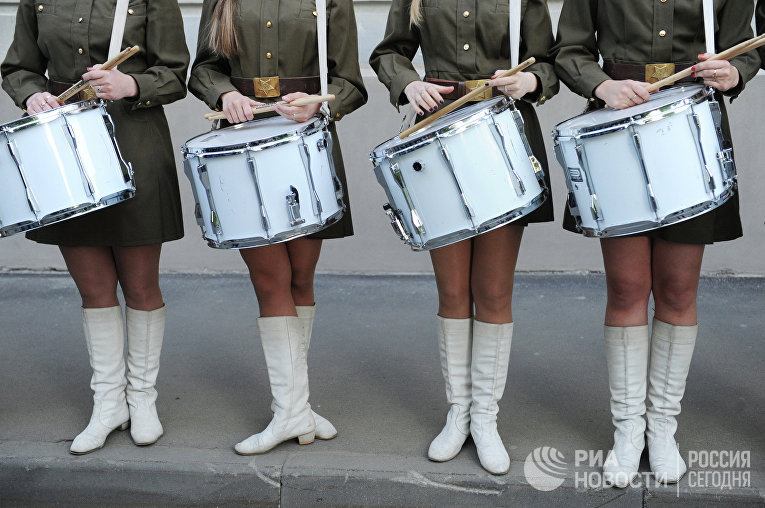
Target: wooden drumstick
[462,100]
[729,53]
[265,108]
[108,65]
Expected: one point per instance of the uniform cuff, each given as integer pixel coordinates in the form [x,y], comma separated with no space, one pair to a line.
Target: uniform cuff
[590,81]
[25,91]
[147,92]
[734,92]
[398,84]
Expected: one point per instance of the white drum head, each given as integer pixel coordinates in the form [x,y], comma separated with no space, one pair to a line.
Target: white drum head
[250,133]
[604,117]
[480,108]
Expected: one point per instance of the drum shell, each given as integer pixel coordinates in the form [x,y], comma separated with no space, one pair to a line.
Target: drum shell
[70,164]
[279,167]
[606,163]
[482,165]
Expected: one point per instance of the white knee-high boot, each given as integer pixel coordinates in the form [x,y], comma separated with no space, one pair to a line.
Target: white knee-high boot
[324,428]
[145,331]
[284,349]
[105,338]
[306,313]
[671,352]
[491,357]
[627,359]
[455,349]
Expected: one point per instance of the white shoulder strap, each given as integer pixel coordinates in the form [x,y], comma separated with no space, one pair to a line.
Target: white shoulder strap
[321,34]
[515,31]
[709,25]
[118,28]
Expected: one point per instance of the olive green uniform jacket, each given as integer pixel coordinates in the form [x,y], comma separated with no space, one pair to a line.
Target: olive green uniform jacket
[279,39]
[63,38]
[468,39]
[759,17]
[647,31]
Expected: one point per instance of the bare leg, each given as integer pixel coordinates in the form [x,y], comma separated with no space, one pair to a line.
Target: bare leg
[271,276]
[676,270]
[93,271]
[628,279]
[451,265]
[493,272]
[304,255]
[138,272]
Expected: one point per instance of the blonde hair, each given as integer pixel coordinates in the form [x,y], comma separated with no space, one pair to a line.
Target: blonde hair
[223,38]
[415,13]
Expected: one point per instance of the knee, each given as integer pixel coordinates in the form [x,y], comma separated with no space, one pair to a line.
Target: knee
[98,292]
[271,284]
[675,294]
[627,292]
[454,302]
[493,299]
[302,282]
[142,294]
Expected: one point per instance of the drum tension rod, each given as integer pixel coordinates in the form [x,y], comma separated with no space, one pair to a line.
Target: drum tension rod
[644,169]
[706,175]
[263,214]
[204,178]
[398,177]
[468,209]
[520,188]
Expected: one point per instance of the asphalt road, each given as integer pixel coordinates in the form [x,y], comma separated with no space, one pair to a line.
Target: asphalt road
[374,372]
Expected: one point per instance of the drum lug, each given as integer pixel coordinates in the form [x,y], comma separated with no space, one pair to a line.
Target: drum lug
[256,181]
[306,156]
[127,167]
[204,178]
[706,175]
[398,176]
[31,200]
[293,207]
[87,183]
[395,222]
[520,188]
[338,190]
[637,143]
[727,164]
[198,215]
[468,209]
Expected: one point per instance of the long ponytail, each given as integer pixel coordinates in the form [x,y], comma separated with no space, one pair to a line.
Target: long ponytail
[223,38]
[415,13]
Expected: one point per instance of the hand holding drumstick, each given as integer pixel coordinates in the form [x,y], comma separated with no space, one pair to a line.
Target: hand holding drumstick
[296,106]
[715,69]
[118,84]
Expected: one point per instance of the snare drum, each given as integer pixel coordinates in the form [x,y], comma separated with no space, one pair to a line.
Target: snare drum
[466,173]
[648,166]
[60,164]
[262,182]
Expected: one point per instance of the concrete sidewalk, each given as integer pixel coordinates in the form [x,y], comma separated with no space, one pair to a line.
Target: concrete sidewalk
[375,374]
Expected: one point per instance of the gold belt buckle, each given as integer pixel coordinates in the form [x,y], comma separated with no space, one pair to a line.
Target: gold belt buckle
[657,72]
[266,87]
[88,93]
[479,83]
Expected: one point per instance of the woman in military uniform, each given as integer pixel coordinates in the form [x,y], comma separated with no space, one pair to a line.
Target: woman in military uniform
[666,262]
[241,43]
[63,40]
[474,346]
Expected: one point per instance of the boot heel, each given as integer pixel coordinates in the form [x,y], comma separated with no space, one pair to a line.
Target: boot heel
[306,438]
[124,426]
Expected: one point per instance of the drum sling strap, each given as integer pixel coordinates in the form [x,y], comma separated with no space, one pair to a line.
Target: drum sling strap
[321,35]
